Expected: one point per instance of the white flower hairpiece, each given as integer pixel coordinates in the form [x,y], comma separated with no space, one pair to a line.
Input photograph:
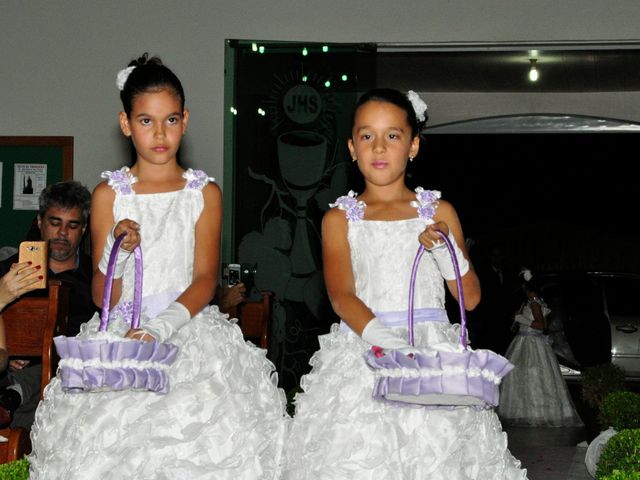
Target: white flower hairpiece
[526,274]
[418,105]
[122,77]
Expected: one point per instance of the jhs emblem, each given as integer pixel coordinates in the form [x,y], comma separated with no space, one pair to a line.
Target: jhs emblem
[302,104]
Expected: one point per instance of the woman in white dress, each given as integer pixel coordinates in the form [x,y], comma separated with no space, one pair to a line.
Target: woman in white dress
[534,393]
[223,417]
[339,431]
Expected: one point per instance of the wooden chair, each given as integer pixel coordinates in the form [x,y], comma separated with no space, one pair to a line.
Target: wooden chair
[254,319]
[30,325]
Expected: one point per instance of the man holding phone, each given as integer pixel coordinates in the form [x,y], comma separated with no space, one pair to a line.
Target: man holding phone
[62,220]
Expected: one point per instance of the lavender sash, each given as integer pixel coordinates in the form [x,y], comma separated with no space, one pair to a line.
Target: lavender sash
[107,363]
[438,377]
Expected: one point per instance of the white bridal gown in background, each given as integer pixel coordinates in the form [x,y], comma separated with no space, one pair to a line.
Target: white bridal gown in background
[534,393]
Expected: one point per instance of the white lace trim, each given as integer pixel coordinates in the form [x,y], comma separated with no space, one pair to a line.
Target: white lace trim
[432,372]
[78,363]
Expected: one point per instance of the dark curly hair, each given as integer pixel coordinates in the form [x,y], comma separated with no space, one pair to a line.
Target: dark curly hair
[66,195]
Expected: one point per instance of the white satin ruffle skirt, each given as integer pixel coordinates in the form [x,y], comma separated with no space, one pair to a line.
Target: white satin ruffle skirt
[223,417]
[340,432]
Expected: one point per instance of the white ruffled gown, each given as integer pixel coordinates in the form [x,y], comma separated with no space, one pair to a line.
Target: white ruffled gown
[341,432]
[534,393]
[223,418]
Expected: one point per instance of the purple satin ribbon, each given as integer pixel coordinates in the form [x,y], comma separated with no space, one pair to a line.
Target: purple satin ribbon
[399,319]
[108,285]
[412,286]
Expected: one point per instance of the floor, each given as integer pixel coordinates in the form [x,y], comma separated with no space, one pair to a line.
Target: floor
[550,453]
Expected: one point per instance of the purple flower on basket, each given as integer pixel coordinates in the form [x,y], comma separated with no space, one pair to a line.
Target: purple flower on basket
[426,203]
[353,207]
[120,180]
[196,179]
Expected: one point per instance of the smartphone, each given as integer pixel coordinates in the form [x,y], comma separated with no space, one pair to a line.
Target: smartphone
[36,253]
[234,274]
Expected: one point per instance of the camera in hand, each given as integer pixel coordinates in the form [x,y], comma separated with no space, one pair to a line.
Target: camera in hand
[235,273]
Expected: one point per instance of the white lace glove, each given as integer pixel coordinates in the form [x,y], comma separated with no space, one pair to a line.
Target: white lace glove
[443,258]
[376,333]
[121,260]
[168,322]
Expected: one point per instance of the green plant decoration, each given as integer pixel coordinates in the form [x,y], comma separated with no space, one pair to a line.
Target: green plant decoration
[16,470]
[620,475]
[620,410]
[599,381]
[622,452]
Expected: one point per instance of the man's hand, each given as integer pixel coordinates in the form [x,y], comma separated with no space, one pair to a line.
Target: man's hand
[18,364]
[232,296]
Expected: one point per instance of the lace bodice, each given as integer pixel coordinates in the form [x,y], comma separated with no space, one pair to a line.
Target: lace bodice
[382,254]
[167,229]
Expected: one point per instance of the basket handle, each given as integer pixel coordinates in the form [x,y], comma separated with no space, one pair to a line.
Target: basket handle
[108,285]
[412,286]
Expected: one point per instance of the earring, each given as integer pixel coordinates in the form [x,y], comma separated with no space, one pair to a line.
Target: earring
[354,159]
[411,159]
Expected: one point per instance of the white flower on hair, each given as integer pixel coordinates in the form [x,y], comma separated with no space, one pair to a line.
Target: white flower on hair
[526,274]
[122,77]
[418,105]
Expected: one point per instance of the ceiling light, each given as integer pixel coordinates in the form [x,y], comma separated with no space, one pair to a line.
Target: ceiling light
[533,70]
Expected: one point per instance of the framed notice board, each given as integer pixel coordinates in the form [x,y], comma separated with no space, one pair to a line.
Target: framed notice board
[27,165]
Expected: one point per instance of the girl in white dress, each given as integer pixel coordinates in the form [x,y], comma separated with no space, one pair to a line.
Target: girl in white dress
[369,243]
[223,417]
[534,393]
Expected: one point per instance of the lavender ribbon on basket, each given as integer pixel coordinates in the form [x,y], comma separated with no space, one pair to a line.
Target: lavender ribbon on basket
[103,363]
[108,285]
[412,287]
[436,378]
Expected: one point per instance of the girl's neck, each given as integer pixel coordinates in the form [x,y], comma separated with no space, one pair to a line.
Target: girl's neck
[388,203]
[386,194]
[148,172]
[154,178]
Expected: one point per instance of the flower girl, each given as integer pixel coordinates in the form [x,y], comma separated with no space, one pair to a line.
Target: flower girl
[223,417]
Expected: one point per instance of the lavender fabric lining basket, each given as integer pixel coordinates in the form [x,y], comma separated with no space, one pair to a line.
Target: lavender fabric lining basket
[105,364]
[438,378]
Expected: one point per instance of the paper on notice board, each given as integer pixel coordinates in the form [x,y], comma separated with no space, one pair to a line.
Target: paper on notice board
[29,179]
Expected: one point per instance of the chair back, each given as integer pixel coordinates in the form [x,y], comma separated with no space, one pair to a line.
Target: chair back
[31,323]
[254,318]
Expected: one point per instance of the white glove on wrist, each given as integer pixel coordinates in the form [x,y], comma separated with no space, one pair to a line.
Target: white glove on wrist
[168,322]
[376,333]
[121,260]
[445,263]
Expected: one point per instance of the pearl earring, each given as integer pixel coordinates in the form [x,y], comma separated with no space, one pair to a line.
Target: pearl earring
[355,159]
[411,159]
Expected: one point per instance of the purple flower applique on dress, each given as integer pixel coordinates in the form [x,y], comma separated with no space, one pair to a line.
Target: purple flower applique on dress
[426,203]
[123,310]
[196,179]
[354,208]
[120,180]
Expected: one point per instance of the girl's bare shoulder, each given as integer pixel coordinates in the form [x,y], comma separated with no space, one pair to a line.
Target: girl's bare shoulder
[445,211]
[103,191]
[212,191]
